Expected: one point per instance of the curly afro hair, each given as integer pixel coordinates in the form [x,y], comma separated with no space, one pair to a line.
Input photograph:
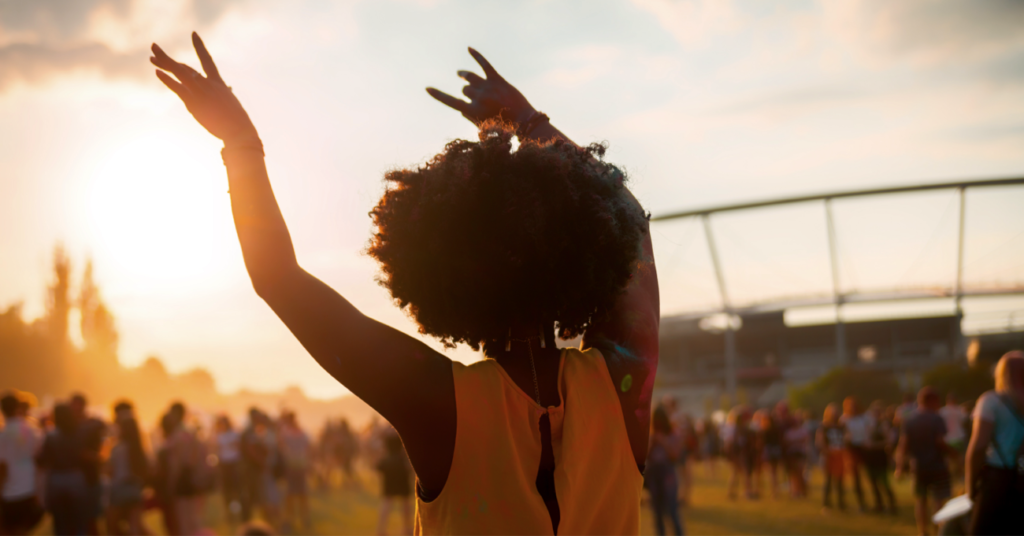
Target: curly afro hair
[482,237]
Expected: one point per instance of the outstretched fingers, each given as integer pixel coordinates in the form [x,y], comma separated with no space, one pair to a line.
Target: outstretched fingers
[448,100]
[484,64]
[187,75]
[177,87]
[471,77]
[205,59]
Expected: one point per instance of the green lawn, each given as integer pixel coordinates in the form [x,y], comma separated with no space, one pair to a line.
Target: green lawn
[711,512]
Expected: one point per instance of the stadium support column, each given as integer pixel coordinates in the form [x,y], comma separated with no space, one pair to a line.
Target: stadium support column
[958,314]
[730,333]
[833,250]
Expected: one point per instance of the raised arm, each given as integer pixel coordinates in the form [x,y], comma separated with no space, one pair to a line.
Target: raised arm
[628,335]
[400,377]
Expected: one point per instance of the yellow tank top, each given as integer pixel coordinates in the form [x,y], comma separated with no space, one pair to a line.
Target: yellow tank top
[491,487]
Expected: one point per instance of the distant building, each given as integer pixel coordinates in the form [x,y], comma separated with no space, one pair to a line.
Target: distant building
[770,356]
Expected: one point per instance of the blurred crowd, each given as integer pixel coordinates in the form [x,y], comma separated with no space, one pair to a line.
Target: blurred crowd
[89,473]
[773,451]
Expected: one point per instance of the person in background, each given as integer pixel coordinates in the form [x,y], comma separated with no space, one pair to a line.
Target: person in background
[906,409]
[62,459]
[296,450]
[123,410]
[92,433]
[683,427]
[772,429]
[708,437]
[162,487]
[128,469]
[346,450]
[796,442]
[254,458]
[857,425]
[741,448]
[660,474]
[831,441]
[709,441]
[20,440]
[229,462]
[995,455]
[189,474]
[813,454]
[956,435]
[923,444]
[396,482]
[756,425]
[876,458]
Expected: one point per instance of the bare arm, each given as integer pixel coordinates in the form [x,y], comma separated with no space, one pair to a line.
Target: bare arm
[628,336]
[403,379]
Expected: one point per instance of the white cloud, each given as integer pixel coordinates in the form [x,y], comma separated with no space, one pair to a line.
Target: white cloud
[43,38]
[695,22]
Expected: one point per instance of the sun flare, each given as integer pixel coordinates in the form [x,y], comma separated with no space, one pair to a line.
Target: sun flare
[160,215]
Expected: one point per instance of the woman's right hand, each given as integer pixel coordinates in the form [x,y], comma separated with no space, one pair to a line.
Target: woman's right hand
[488,97]
[207,98]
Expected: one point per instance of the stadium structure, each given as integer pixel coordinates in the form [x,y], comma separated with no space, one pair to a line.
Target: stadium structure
[750,352]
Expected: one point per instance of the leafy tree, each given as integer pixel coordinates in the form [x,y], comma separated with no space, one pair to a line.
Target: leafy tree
[839,383]
[963,381]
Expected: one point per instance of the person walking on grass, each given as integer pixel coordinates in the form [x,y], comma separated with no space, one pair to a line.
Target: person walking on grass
[296,450]
[128,468]
[227,444]
[858,425]
[995,455]
[20,440]
[660,474]
[831,441]
[956,435]
[797,446]
[396,482]
[741,449]
[923,448]
[490,247]
[62,459]
[876,459]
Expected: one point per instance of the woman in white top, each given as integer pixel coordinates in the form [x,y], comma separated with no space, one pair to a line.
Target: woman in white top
[228,448]
[995,456]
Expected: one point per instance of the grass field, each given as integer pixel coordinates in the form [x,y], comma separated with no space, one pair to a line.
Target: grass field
[711,512]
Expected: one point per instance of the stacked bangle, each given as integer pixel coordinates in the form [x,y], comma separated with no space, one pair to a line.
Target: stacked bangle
[250,143]
[536,118]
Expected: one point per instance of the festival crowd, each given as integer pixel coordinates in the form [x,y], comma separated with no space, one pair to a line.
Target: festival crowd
[87,472]
[977,447]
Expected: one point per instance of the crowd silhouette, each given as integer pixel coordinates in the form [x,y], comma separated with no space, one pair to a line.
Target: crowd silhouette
[95,475]
[942,447]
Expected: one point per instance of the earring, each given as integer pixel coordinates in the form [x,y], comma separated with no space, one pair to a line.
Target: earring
[508,341]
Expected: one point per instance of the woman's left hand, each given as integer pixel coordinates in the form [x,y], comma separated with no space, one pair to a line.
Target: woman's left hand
[207,98]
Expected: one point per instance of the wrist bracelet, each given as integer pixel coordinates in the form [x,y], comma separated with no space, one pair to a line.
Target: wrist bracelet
[536,118]
[252,144]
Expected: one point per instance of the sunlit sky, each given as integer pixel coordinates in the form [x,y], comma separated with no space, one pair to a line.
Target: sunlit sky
[703,103]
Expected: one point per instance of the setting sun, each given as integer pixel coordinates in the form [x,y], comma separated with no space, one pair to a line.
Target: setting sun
[159,217]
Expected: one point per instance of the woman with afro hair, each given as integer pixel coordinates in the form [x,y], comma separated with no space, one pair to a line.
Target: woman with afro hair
[500,249]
